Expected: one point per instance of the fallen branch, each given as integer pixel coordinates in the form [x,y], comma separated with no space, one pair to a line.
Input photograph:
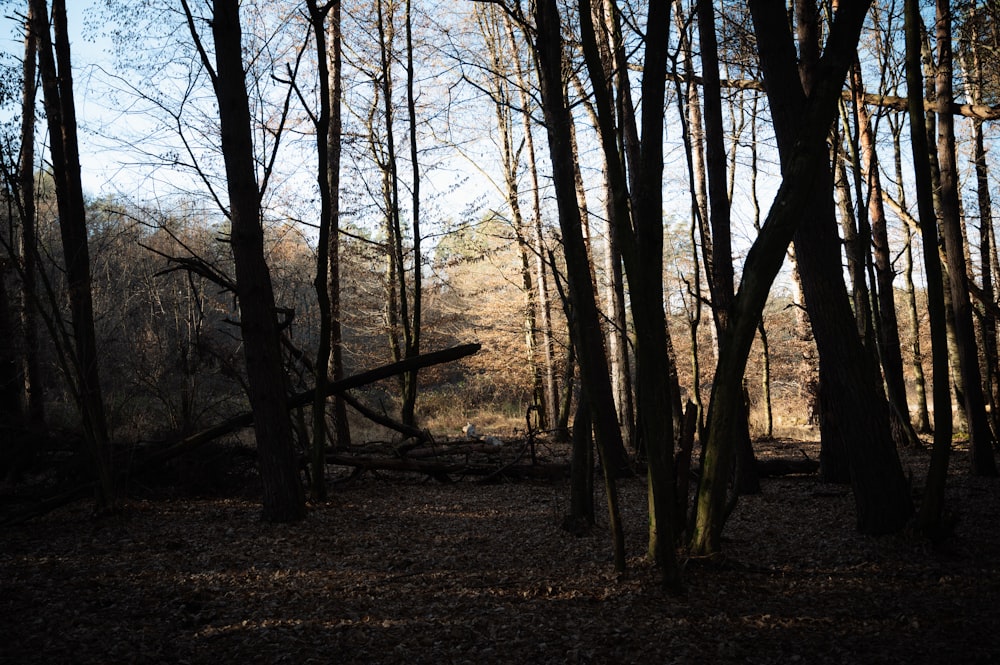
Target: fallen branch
[194,441]
[780,466]
[441,470]
[304,398]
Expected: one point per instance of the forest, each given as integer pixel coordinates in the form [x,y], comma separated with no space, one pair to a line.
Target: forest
[533,331]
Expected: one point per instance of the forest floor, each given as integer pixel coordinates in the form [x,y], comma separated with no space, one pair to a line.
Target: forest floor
[400,569]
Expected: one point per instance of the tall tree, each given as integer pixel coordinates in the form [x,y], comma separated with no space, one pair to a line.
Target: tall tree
[931,508]
[498,83]
[975,78]
[283,499]
[805,167]
[325,21]
[404,298]
[887,327]
[980,436]
[586,328]
[721,268]
[537,234]
[923,422]
[638,222]
[29,235]
[55,67]
[854,414]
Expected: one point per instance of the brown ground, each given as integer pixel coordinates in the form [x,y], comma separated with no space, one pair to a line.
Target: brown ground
[397,569]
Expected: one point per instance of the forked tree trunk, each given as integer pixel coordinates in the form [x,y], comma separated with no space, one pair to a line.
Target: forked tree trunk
[805,166]
[852,398]
[640,235]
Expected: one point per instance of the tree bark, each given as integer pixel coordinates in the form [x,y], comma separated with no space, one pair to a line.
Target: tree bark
[414,326]
[34,387]
[551,383]
[588,337]
[322,281]
[334,137]
[805,165]
[980,436]
[640,236]
[853,402]
[57,82]
[932,506]
[722,273]
[887,328]
[282,491]
[923,422]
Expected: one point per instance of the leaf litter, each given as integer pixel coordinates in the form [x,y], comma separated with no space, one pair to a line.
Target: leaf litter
[399,569]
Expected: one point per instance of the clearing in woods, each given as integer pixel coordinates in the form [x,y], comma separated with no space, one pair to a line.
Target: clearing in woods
[400,569]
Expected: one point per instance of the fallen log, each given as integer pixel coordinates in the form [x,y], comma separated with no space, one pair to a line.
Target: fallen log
[187,444]
[303,398]
[781,466]
[778,466]
[442,470]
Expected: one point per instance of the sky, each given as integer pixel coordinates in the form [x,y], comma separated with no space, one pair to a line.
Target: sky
[98,166]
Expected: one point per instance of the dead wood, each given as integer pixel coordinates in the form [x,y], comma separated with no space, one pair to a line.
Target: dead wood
[772,468]
[443,469]
[158,457]
[776,467]
[419,435]
[304,398]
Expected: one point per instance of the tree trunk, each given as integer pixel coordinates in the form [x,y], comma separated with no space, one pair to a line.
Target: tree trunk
[318,18]
[888,326]
[34,387]
[923,424]
[500,90]
[805,165]
[416,303]
[852,397]
[587,334]
[988,318]
[991,355]
[980,436]
[12,408]
[930,94]
[765,378]
[60,110]
[640,236]
[581,507]
[931,509]
[403,302]
[283,499]
[551,383]
[334,135]
[722,272]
